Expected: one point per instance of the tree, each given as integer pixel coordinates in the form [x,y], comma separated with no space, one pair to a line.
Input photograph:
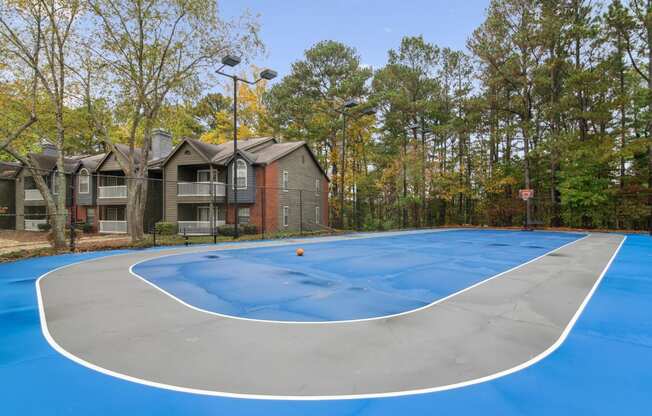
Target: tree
[634,24]
[153,50]
[306,104]
[38,35]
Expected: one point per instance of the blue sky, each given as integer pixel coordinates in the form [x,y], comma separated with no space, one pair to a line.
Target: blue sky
[289,27]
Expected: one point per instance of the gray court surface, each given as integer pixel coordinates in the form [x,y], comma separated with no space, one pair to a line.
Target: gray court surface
[100,313]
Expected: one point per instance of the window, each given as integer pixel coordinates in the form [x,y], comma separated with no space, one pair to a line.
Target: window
[90,215]
[317,216]
[244,215]
[204,175]
[84,184]
[112,214]
[241,173]
[286,180]
[317,186]
[203,213]
[286,216]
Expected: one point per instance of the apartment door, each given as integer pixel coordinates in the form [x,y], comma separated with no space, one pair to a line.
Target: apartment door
[203,213]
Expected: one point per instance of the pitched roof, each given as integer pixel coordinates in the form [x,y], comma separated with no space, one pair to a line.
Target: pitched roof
[9,170]
[47,163]
[221,153]
[276,151]
[91,162]
[259,150]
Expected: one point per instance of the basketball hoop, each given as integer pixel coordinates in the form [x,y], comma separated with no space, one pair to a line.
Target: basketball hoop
[526,194]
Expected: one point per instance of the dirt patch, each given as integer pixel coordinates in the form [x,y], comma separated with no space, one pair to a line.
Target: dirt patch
[19,241]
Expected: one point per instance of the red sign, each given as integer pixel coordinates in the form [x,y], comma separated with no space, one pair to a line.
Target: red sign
[526,194]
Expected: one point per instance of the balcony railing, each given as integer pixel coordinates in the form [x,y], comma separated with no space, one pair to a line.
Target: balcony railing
[113,227]
[196,227]
[200,189]
[119,191]
[32,225]
[33,195]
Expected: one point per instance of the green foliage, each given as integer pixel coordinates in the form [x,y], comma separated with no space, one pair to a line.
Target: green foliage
[165,228]
[229,229]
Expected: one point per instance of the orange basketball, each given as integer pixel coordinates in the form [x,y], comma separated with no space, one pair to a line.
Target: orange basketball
[299,252]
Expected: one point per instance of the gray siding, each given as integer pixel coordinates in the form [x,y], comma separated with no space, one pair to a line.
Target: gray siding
[110,163]
[87,199]
[302,172]
[245,196]
[184,156]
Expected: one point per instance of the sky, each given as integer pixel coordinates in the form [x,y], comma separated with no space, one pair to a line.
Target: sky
[289,27]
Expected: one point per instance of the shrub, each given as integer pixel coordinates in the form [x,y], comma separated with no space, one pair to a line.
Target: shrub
[87,228]
[166,228]
[227,230]
[249,229]
[44,227]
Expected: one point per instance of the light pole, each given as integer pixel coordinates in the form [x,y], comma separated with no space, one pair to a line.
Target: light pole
[265,74]
[343,110]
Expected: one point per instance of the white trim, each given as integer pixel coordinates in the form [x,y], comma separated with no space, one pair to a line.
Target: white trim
[245,176]
[317,215]
[286,218]
[248,216]
[286,181]
[534,360]
[79,182]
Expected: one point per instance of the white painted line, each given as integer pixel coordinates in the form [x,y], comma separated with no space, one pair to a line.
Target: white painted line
[182,389]
[344,321]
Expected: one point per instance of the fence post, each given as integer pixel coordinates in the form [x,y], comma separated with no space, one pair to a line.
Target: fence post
[264,210]
[300,212]
[73,212]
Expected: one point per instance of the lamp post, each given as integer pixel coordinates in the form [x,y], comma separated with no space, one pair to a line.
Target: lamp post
[343,110]
[265,74]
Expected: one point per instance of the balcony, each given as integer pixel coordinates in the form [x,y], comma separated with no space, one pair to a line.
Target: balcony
[113,227]
[32,225]
[200,189]
[196,227]
[33,195]
[119,191]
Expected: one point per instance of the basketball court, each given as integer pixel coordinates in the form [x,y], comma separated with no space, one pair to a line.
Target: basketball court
[442,320]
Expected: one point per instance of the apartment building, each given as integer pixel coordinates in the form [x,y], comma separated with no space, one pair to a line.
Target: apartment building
[280,186]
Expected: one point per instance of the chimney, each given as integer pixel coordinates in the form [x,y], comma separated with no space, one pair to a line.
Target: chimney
[48,149]
[161,144]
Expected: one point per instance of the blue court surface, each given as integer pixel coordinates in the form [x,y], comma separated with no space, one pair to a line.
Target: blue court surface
[344,280]
[603,367]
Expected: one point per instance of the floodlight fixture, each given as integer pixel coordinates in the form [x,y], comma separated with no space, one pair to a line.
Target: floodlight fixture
[231,60]
[268,74]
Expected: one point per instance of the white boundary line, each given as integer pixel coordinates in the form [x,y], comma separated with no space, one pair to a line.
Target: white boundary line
[490,377]
[344,321]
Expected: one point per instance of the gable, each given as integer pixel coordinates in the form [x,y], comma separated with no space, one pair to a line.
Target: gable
[185,154]
[110,162]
